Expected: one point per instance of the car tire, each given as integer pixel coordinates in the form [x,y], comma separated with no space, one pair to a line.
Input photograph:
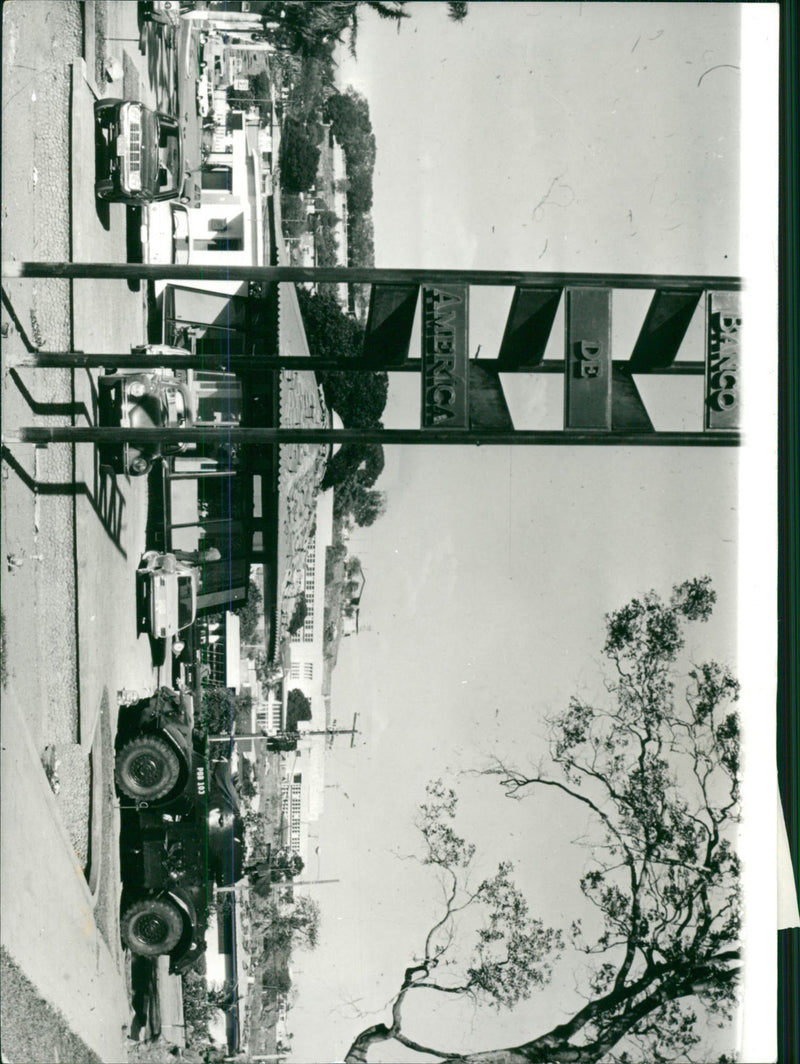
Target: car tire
[104,189]
[147,768]
[151,927]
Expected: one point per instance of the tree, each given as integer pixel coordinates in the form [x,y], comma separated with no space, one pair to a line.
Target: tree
[282,926]
[457,10]
[364,505]
[286,865]
[298,708]
[251,613]
[359,398]
[299,157]
[330,333]
[299,614]
[220,709]
[359,194]
[659,776]
[362,462]
[305,27]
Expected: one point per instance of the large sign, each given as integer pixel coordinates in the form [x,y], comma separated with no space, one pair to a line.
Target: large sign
[723,359]
[445,361]
[587,384]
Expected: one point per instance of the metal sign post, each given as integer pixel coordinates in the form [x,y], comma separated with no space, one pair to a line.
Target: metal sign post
[462,399]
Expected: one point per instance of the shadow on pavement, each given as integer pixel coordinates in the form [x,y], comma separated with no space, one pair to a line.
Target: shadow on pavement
[144,998]
[158,40]
[133,242]
[102,207]
[46,409]
[6,300]
[104,496]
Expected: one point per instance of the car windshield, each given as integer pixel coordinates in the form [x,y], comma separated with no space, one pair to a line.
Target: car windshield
[185,601]
[180,236]
[168,159]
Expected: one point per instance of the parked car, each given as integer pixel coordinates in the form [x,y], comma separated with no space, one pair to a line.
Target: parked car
[165,12]
[165,233]
[167,596]
[181,827]
[139,153]
[203,106]
[147,399]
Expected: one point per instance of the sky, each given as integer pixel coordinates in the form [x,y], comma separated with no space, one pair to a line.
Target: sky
[585,137]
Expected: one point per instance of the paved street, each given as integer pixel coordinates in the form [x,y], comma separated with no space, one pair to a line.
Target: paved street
[71,536]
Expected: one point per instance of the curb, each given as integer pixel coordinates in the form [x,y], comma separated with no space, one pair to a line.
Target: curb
[89,43]
[11,707]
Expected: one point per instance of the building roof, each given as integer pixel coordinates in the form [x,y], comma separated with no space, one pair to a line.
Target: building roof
[301,465]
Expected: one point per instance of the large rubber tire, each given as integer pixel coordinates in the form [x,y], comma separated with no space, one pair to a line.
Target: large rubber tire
[147,768]
[151,927]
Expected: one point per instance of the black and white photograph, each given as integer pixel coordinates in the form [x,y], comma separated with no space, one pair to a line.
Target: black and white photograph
[389,516]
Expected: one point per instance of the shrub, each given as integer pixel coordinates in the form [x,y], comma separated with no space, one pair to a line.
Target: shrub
[298,708]
[299,614]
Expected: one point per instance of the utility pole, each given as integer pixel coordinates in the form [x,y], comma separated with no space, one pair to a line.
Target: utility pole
[245,736]
[333,731]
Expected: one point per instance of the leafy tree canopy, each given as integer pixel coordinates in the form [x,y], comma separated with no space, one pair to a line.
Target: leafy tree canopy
[285,926]
[299,614]
[250,614]
[306,28]
[656,767]
[299,157]
[219,710]
[364,505]
[361,462]
[358,398]
[359,193]
[298,708]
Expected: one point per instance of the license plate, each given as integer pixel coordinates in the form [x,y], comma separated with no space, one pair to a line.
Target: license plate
[121,146]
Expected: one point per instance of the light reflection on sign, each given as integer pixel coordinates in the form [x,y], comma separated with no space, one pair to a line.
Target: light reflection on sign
[723,360]
[445,365]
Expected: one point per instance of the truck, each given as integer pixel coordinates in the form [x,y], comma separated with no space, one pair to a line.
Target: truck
[138,153]
[164,234]
[181,829]
[142,399]
[167,596]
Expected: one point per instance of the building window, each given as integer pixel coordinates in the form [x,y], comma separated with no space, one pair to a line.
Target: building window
[217,178]
[294,671]
[223,243]
[308,670]
[290,803]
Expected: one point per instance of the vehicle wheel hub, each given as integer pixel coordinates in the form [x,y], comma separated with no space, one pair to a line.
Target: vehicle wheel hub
[151,929]
[146,770]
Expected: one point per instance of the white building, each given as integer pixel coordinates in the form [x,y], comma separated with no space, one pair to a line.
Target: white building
[339,207]
[227,227]
[302,792]
[304,780]
[306,670]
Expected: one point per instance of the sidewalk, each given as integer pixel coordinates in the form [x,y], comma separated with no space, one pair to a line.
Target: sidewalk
[42,889]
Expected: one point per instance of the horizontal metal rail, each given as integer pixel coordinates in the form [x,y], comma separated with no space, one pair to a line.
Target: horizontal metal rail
[79,360]
[364,275]
[41,434]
